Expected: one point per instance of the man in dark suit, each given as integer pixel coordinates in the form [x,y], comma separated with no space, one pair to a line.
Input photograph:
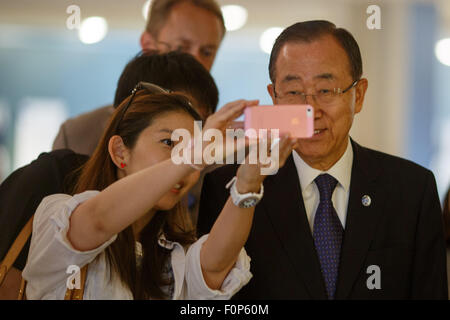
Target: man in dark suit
[338,221]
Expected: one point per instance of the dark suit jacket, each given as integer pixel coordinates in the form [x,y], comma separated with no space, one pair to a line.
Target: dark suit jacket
[401,232]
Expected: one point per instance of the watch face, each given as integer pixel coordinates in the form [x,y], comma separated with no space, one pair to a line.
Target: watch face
[248,203]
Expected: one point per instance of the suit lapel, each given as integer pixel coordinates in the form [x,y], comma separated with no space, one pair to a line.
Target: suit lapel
[361,220]
[283,203]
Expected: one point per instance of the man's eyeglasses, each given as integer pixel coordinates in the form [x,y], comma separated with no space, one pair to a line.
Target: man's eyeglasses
[324,96]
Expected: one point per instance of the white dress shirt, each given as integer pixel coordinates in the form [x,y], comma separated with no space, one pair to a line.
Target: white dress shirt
[341,171]
[51,253]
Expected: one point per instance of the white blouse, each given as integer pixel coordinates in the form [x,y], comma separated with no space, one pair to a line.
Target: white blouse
[51,255]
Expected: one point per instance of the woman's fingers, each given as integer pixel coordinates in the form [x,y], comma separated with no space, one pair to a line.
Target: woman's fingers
[233,111]
[229,112]
[284,144]
[236,106]
[236,125]
[223,119]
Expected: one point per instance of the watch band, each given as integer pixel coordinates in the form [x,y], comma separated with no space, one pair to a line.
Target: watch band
[246,200]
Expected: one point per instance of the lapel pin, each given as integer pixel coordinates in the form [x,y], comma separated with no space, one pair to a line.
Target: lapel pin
[366,201]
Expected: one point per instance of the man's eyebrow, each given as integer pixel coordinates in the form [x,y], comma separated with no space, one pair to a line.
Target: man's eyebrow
[291,77]
[166,130]
[208,46]
[326,76]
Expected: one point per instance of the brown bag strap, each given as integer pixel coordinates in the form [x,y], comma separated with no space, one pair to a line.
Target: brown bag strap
[22,295]
[13,253]
[15,249]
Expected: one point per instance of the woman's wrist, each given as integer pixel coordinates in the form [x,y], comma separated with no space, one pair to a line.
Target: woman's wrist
[243,186]
[195,167]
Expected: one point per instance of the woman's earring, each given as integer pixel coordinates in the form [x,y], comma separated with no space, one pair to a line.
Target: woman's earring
[123,165]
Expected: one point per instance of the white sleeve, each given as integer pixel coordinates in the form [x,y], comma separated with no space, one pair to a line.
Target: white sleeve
[196,287]
[51,253]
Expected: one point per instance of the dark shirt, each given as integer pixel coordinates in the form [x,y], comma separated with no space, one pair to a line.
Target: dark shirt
[23,190]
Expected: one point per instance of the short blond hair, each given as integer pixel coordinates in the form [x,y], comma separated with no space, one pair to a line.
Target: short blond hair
[160,10]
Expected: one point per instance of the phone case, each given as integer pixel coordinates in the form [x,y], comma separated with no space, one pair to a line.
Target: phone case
[296,119]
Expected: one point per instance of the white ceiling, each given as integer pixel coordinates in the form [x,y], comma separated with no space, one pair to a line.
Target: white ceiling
[122,14]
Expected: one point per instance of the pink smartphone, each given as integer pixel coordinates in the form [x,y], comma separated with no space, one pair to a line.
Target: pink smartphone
[296,119]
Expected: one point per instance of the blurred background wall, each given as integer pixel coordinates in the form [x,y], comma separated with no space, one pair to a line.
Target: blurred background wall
[47,74]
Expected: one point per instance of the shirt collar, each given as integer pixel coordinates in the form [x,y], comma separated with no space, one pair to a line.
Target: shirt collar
[163,242]
[341,170]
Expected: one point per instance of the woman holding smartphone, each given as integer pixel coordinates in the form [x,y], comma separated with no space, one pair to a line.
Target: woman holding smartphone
[128,220]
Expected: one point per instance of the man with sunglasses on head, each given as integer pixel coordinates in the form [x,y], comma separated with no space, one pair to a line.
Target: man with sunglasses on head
[192,26]
[339,221]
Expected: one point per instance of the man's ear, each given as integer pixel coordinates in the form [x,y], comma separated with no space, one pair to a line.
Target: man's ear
[271,90]
[361,89]
[118,152]
[147,42]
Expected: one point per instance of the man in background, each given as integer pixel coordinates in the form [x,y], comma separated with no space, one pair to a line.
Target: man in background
[192,26]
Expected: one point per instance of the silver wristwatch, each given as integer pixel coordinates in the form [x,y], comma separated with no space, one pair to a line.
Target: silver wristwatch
[246,200]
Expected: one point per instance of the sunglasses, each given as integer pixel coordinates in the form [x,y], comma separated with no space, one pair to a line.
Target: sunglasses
[150,87]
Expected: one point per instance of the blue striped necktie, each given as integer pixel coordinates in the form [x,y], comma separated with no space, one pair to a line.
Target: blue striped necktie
[327,233]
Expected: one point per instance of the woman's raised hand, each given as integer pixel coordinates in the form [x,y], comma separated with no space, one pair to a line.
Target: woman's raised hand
[217,124]
[251,175]
[222,119]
